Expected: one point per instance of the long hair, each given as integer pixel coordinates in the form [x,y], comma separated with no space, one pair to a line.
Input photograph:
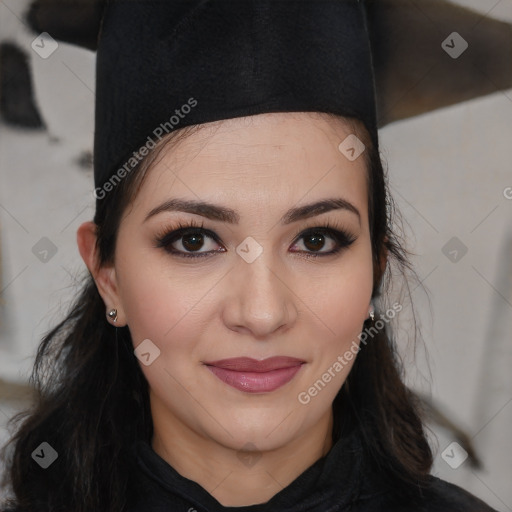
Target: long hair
[91,399]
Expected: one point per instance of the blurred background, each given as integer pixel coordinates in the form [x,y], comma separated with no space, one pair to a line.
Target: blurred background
[450,173]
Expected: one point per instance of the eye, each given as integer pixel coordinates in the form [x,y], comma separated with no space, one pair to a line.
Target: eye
[188,239]
[191,237]
[314,240]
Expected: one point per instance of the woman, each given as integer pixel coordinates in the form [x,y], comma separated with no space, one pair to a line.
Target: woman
[231,347]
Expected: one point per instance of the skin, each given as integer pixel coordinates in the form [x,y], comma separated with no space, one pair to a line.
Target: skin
[218,307]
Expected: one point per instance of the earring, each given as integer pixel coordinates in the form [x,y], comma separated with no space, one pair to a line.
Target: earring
[112,314]
[371,312]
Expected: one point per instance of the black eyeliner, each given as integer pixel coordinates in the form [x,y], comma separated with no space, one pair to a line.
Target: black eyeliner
[165,237]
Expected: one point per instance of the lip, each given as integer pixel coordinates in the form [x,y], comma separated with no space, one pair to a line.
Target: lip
[253,376]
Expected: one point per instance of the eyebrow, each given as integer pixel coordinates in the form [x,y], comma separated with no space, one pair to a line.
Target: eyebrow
[223,214]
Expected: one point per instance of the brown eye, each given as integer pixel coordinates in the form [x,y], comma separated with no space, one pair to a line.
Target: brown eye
[193,238]
[188,242]
[192,241]
[315,240]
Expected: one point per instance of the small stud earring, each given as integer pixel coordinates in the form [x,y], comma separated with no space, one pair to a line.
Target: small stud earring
[371,312]
[112,314]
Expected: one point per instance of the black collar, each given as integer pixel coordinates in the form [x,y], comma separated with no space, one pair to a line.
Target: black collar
[333,479]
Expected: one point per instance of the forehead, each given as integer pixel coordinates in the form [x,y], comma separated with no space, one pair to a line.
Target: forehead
[275,159]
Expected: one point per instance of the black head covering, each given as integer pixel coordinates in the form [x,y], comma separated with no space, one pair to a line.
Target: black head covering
[415,69]
[163,65]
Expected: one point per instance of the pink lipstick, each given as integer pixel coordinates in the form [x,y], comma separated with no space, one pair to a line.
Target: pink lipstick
[253,376]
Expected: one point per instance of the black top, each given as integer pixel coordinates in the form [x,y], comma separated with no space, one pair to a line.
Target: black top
[340,481]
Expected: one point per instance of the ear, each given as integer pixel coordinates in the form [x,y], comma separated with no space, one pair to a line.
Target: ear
[104,276]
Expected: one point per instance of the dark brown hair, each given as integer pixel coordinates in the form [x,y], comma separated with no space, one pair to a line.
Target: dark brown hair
[92,401]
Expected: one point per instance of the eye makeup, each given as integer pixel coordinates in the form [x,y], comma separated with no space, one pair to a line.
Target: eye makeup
[167,237]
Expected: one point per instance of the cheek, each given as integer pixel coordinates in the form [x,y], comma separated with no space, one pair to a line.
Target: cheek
[157,301]
[340,298]
[340,304]
[164,303]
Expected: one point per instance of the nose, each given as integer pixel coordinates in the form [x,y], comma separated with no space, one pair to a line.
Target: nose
[260,299]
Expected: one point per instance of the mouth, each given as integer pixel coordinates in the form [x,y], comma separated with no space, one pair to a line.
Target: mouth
[253,376]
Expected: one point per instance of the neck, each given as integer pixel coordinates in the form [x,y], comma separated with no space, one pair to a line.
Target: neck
[235,478]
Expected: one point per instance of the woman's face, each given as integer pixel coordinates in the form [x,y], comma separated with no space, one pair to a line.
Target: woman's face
[245,286]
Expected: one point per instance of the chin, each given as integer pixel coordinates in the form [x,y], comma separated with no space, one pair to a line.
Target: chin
[267,432]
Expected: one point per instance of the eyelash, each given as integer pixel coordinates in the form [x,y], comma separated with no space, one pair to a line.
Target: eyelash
[166,237]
